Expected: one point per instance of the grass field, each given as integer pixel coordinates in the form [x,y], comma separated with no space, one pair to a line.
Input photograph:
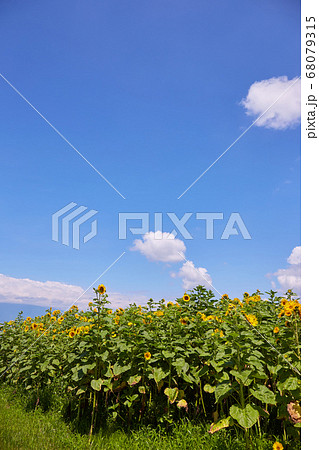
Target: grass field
[21,429]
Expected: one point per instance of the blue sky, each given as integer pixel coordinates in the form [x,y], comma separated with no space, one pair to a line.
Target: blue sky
[151,94]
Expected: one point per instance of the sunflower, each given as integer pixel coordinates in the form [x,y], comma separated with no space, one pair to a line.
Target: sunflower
[170,304]
[246,294]
[277,446]
[26,328]
[34,326]
[72,334]
[225,297]
[28,319]
[252,319]
[183,320]
[147,356]
[186,298]
[53,319]
[101,289]
[60,319]
[276,330]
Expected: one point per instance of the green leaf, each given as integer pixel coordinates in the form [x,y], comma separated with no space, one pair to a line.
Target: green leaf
[290,384]
[210,389]
[263,394]
[274,369]
[168,355]
[171,393]
[217,366]
[222,390]
[181,366]
[118,370]
[105,355]
[96,384]
[203,371]
[242,376]
[80,391]
[142,390]
[159,374]
[224,423]
[132,381]
[246,417]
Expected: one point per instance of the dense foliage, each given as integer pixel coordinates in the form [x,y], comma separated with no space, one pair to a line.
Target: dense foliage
[235,362]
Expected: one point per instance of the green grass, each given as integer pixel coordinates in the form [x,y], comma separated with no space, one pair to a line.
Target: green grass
[35,430]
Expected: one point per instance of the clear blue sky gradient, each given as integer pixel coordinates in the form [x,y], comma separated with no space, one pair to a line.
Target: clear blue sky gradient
[150,93]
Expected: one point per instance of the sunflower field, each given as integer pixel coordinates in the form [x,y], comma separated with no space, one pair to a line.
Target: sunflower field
[233,363]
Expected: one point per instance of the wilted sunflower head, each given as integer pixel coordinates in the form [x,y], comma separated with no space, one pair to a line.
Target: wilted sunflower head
[183,320]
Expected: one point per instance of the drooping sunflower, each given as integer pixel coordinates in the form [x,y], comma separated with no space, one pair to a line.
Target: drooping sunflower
[101,288]
[186,298]
[147,356]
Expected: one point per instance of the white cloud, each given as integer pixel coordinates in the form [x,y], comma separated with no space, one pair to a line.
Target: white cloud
[285,112]
[56,294]
[160,246]
[290,278]
[193,276]
[295,257]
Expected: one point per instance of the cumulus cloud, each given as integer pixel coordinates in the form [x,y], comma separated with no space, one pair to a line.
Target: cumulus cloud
[285,112]
[295,257]
[193,276]
[55,294]
[290,278]
[159,246]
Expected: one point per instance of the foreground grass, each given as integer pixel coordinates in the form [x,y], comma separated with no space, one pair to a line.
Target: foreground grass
[37,430]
